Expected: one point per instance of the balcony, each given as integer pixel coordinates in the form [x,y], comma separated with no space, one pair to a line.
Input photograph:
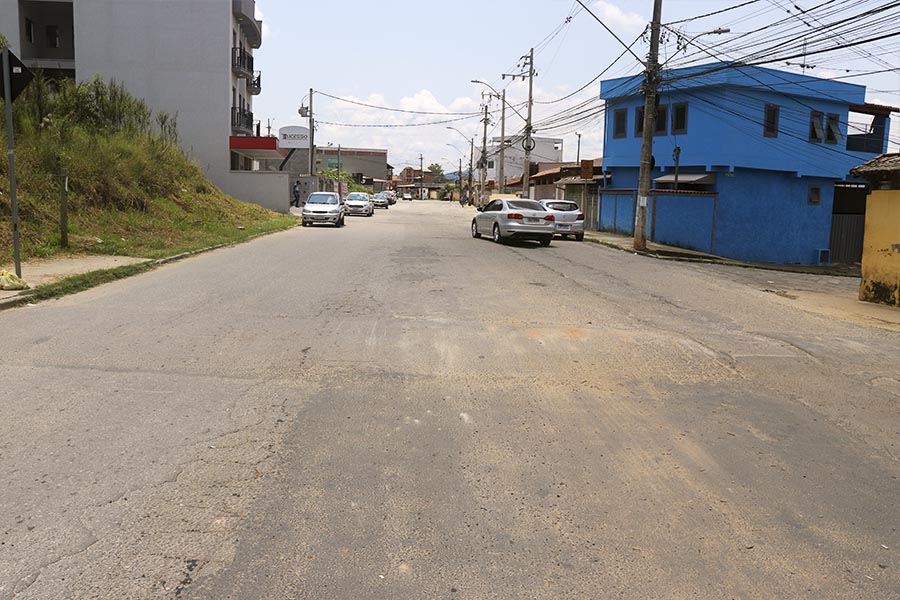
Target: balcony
[245,13]
[242,63]
[241,121]
[254,86]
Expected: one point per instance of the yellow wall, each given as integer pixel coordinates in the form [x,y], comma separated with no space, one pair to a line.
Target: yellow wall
[881,248]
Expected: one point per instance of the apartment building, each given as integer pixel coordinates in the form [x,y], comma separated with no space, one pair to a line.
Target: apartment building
[190,58]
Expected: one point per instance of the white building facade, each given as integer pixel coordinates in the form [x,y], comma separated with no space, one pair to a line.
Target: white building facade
[545,150]
[190,58]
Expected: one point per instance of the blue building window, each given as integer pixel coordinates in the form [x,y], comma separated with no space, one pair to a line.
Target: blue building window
[816,127]
[679,118]
[770,129]
[832,129]
[620,123]
[814,195]
[660,123]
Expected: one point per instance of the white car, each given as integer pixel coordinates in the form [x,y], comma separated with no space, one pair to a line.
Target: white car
[359,203]
[512,218]
[323,207]
[569,218]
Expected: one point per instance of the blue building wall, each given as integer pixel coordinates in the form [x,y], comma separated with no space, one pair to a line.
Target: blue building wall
[762,212]
[756,215]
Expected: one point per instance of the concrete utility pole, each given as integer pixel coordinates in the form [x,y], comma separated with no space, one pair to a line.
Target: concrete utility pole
[459,180]
[650,86]
[501,176]
[483,161]
[422,177]
[340,184]
[528,142]
[471,159]
[312,136]
[578,153]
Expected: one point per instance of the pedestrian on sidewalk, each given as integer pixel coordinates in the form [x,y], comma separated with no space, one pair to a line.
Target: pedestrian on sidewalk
[296,194]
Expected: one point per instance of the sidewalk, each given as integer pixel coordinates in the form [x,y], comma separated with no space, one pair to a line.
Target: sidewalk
[42,272]
[625,242]
[828,290]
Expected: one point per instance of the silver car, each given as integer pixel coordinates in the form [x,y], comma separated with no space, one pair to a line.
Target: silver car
[359,203]
[511,218]
[382,200]
[569,218]
[323,207]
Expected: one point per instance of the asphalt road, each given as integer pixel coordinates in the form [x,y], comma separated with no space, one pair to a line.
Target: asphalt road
[395,410]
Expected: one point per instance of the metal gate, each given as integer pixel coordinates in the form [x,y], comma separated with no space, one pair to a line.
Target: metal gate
[847,232]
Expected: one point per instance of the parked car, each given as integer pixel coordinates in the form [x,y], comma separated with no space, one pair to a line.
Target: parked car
[407,197]
[359,203]
[381,200]
[509,218]
[323,207]
[392,196]
[569,218]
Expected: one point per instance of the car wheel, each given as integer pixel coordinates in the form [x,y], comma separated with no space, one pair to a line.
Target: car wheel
[496,234]
[304,224]
[579,237]
[475,233]
[545,241]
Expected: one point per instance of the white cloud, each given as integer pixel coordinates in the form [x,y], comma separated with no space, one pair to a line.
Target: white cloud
[617,19]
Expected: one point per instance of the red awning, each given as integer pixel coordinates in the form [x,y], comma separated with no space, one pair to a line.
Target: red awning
[257,148]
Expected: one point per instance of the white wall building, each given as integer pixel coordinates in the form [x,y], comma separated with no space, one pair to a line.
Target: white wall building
[190,58]
[545,150]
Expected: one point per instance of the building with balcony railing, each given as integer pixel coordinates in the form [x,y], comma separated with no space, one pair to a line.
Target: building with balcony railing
[179,56]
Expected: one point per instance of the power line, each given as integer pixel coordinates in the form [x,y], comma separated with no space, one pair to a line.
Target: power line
[400,110]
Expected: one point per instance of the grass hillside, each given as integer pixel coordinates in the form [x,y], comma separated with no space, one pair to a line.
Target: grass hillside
[131,190]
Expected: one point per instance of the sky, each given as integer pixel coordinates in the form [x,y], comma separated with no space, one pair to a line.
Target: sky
[421,56]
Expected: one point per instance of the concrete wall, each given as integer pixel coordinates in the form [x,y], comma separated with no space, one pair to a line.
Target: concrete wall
[176,56]
[11,25]
[881,250]
[683,220]
[267,189]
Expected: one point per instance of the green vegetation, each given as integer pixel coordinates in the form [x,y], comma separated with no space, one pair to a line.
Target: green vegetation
[131,189]
[347,178]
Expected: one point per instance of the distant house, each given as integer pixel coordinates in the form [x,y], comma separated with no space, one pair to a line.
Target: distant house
[881,245]
[750,163]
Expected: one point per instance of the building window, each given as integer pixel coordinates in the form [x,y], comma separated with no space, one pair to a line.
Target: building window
[490,164]
[770,128]
[52,36]
[832,129]
[620,123]
[816,129]
[814,195]
[679,118]
[639,121]
[29,30]
[661,121]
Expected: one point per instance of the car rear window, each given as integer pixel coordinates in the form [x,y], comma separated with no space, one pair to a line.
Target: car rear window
[525,205]
[562,205]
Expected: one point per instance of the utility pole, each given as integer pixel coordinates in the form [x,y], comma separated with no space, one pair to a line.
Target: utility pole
[578,154]
[11,153]
[312,136]
[459,180]
[483,160]
[650,88]
[528,142]
[501,176]
[340,183]
[421,177]
[471,158]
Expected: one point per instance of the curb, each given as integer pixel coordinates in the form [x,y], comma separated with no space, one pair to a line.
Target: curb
[681,257]
[25,296]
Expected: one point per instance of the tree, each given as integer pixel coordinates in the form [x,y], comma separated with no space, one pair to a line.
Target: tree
[437,173]
[3,42]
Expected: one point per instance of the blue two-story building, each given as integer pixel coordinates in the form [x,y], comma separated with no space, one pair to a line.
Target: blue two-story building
[750,163]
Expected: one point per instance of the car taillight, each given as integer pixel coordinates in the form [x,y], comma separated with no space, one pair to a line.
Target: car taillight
[549,218]
[580,217]
[514,216]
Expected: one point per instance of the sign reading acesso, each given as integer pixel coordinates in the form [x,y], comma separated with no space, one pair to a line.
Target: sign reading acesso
[293,137]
